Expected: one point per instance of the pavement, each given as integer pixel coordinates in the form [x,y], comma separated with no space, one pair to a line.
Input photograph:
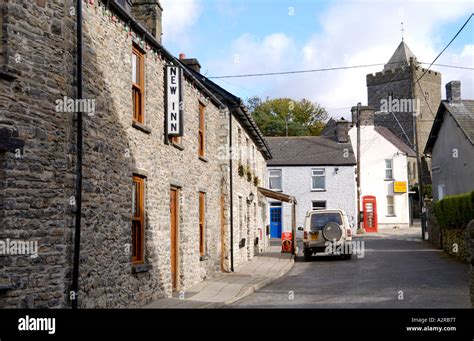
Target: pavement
[227,288]
[397,270]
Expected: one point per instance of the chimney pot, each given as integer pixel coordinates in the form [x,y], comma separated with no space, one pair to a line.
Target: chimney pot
[182,56]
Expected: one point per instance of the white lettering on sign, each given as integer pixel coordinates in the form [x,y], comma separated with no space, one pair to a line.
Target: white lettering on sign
[173,97]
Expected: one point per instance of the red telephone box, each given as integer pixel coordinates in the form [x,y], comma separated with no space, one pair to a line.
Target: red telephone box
[369,207]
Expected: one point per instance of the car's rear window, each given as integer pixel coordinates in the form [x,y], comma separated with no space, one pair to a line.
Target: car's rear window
[319,220]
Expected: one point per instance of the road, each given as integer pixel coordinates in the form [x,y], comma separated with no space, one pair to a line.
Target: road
[397,270]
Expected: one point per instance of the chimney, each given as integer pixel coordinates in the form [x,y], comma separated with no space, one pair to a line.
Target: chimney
[148,14]
[192,63]
[367,115]
[342,131]
[453,92]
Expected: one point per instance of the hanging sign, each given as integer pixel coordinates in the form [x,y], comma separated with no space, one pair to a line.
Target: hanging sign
[174,111]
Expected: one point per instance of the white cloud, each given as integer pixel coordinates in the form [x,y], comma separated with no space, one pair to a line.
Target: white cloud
[353,33]
[179,17]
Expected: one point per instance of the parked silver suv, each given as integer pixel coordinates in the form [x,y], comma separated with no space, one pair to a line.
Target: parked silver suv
[327,231]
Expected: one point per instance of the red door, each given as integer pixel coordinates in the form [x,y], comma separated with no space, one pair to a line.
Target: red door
[369,207]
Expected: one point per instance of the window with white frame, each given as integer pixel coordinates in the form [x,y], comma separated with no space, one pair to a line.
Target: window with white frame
[390,205]
[389,169]
[274,179]
[318,179]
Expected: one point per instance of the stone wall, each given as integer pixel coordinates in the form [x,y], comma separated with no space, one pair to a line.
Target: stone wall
[37,185]
[248,217]
[399,83]
[35,182]
[115,150]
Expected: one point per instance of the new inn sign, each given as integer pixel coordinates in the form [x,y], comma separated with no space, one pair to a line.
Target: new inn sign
[174,96]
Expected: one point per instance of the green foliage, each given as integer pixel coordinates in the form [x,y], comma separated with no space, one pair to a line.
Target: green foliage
[249,174]
[241,169]
[455,211]
[256,181]
[279,116]
[427,191]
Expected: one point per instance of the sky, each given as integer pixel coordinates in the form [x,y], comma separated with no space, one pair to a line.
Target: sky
[231,37]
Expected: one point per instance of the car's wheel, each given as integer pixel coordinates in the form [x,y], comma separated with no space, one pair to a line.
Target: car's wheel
[307,255]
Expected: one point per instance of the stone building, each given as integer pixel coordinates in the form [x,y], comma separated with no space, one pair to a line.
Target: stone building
[247,153]
[395,94]
[155,206]
[451,144]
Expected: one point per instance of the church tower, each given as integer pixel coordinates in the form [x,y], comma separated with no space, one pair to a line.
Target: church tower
[396,95]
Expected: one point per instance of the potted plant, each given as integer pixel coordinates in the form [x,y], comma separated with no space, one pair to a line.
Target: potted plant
[241,169]
[256,180]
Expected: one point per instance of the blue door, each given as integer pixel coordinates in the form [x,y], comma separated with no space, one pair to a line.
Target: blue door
[275,222]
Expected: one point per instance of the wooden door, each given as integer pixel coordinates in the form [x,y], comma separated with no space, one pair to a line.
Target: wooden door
[174,237]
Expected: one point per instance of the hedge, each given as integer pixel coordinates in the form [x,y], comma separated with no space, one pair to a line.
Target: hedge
[455,211]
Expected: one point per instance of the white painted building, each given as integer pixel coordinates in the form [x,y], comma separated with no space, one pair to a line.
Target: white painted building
[384,171]
[318,171]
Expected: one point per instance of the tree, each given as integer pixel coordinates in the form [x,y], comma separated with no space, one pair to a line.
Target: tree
[287,117]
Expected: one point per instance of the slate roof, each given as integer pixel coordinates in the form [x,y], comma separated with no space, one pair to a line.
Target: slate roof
[309,151]
[395,140]
[463,115]
[401,57]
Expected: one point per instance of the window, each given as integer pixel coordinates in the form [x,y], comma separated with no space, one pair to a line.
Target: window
[320,220]
[318,179]
[138,85]
[427,95]
[138,218]
[202,223]
[319,205]
[201,131]
[274,179]
[441,191]
[390,205]
[388,169]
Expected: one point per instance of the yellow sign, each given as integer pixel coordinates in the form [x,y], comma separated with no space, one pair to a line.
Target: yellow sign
[399,186]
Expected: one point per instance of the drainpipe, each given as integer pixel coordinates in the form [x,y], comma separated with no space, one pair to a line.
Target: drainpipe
[77,229]
[231,182]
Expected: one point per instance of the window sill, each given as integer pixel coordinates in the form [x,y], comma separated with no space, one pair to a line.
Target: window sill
[177,146]
[388,180]
[318,190]
[204,257]
[138,268]
[203,158]
[141,127]
[391,215]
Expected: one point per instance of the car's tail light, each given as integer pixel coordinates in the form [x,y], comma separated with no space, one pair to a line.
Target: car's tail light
[305,235]
[349,232]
